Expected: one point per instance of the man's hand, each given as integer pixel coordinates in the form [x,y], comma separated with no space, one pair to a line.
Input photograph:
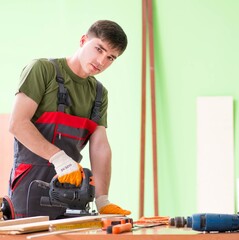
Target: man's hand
[104,206]
[67,170]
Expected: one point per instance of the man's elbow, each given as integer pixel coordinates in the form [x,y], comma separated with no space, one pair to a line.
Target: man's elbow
[13,126]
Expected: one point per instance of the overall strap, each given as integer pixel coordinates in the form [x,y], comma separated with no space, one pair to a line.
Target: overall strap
[63,96]
[95,114]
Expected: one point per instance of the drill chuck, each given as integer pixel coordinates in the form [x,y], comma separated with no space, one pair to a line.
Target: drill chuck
[180,222]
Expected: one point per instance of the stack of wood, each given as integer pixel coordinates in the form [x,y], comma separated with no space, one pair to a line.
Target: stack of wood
[42,223]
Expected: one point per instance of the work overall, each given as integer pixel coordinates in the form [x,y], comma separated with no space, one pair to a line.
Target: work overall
[69,133]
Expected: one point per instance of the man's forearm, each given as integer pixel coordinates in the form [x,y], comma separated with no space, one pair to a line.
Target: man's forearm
[101,169]
[100,158]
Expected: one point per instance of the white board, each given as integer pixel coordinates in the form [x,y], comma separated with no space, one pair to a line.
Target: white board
[215,155]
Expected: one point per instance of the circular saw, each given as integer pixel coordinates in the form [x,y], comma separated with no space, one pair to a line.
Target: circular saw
[59,200]
[7,209]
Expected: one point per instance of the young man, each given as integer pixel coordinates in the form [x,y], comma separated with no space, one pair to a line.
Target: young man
[59,106]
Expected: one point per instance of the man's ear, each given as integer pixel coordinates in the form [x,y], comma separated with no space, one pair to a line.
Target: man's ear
[83,40]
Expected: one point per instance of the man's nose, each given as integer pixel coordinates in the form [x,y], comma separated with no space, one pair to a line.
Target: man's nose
[102,59]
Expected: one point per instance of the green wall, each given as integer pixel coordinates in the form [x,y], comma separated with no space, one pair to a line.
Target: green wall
[196,54]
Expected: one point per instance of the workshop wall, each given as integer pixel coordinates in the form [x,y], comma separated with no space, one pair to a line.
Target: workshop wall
[195,55]
[42,28]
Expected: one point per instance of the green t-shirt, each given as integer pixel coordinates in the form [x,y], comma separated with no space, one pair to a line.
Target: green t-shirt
[38,81]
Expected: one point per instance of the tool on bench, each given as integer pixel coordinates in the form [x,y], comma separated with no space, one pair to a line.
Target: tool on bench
[119,228]
[115,221]
[117,225]
[6,210]
[180,222]
[208,222]
[61,200]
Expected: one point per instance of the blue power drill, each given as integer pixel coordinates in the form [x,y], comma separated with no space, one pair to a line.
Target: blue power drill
[208,222]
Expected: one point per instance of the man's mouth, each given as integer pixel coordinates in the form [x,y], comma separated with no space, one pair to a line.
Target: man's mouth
[96,68]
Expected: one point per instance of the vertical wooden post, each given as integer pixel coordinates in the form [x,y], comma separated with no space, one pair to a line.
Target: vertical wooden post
[147,30]
[143,112]
[153,105]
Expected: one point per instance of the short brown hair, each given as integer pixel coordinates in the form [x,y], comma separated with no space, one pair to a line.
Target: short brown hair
[110,32]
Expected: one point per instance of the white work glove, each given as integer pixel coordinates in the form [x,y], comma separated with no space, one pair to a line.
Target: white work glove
[67,170]
[63,164]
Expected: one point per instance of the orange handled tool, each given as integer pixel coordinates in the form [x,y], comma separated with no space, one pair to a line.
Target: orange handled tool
[120,228]
[107,222]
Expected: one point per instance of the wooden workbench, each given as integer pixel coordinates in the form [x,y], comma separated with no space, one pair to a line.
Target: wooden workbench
[162,233]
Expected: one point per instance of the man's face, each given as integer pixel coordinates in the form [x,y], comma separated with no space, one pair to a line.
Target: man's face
[95,55]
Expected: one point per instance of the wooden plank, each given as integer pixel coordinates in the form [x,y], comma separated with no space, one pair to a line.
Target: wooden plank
[46,234]
[215,154]
[153,106]
[148,34]
[44,226]
[143,114]
[6,153]
[23,221]
[1,213]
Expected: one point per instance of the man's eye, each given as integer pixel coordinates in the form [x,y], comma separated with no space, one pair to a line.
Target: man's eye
[111,59]
[99,49]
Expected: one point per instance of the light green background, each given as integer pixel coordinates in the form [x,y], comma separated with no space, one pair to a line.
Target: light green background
[196,54]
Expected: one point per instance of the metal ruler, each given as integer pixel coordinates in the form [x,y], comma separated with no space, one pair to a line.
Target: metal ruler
[68,226]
